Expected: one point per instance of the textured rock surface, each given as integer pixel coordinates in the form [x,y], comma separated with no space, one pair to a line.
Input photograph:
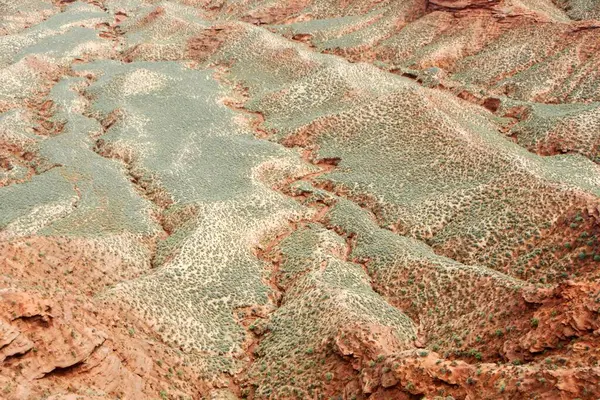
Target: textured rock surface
[347,199]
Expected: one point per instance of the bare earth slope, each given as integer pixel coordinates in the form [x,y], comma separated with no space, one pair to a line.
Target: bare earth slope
[316,199]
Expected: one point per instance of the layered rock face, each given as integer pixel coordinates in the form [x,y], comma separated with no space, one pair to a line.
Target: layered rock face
[316,199]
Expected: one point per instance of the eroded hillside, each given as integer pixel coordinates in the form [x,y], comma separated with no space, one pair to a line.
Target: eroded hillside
[316,199]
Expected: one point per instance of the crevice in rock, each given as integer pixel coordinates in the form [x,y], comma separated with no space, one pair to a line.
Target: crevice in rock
[68,369]
[145,188]
[268,253]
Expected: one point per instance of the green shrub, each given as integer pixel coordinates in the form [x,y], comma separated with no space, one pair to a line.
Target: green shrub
[535,322]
